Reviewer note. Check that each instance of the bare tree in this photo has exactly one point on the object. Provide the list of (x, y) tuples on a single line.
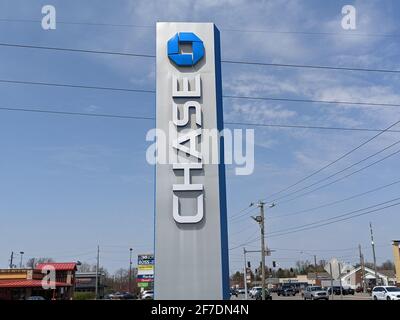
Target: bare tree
[(32, 262)]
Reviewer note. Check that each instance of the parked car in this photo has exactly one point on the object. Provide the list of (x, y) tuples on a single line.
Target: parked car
[(350, 291), (148, 295), (253, 291), (128, 296), (386, 293), (233, 292), (241, 291), (315, 293), (336, 290), (286, 291), (115, 296), (258, 295)]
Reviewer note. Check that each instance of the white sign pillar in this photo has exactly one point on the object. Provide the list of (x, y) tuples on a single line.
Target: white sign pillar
[(191, 241)]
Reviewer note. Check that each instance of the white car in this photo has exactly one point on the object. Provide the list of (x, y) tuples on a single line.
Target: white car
[(253, 291), (148, 295), (386, 293)]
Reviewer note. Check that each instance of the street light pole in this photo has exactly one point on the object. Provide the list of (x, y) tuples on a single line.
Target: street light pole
[(20, 262), (130, 270), (11, 259)]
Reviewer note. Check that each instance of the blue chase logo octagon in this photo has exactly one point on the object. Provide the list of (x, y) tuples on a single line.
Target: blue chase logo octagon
[(185, 59)]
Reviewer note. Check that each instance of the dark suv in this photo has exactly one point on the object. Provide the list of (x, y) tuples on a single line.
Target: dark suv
[(286, 291), (336, 290)]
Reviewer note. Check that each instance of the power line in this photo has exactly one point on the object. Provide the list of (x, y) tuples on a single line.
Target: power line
[(353, 34), (308, 66), (138, 55), (228, 29), (333, 218), (245, 214), (53, 84), (340, 220), (81, 23), (342, 178), (334, 161), (320, 206), (324, 179), (363, 103), (338, 172), (107, 115), (304, 126), (323, 206), (239, 213), (335, 202), (318, 226), (77, 113), (236, 62), (152, 91)]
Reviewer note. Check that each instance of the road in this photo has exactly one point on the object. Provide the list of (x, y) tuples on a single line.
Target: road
[(357, 296)]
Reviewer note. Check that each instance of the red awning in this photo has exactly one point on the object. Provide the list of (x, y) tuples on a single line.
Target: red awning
[(24, 283), (58, 266)]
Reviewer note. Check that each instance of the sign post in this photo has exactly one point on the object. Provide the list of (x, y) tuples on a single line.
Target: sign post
[(191, 242), (145, 274)]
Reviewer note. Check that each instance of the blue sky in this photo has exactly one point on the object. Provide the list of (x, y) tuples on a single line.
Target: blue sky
[(69, 183)]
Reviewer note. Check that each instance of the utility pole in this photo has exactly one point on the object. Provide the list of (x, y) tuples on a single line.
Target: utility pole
[(362, 269), (97, 273), (330, 269), (373, 253), (245, 274), (130, 270), (261, 221), (11, 259), (316, 271)]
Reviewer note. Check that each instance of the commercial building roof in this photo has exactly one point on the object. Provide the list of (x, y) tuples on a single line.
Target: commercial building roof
[(25, 283), (58, 266)]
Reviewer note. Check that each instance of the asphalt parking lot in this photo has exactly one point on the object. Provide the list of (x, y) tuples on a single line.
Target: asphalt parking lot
[(357, 296)]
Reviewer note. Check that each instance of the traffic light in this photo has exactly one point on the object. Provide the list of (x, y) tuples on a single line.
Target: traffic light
[(248, 264), (274, 264)]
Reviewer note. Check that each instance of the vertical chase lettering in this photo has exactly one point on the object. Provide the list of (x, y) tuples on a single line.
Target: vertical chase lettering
[(186, 143)]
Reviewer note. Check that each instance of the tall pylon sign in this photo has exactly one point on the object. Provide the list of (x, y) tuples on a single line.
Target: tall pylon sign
[(191, 241)]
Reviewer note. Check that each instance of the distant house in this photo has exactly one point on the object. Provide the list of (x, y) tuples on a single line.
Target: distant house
[(353, 278)]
